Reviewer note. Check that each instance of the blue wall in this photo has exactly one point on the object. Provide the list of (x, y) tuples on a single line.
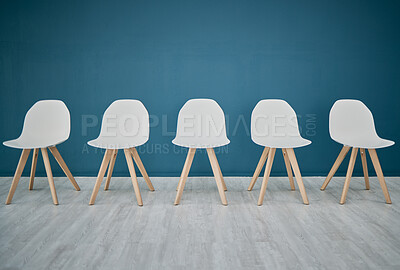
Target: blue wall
[(310, 53)]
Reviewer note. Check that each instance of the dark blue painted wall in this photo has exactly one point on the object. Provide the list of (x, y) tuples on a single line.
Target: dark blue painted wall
[(310, 53)]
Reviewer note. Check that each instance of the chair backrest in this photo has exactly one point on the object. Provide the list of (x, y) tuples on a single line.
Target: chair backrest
[(350, 118), (48, 120), (202, 122), (273, 118), (126, 118)]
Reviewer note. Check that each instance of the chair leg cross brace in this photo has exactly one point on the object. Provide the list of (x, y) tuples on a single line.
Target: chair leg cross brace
[(363, 153)]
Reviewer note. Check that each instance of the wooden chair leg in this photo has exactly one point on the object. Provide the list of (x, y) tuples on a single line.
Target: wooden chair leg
[(49, 175), (142, 170), (217, 174), (33, 167), (133, 176), (363, 155), (110, 168), (267, 172), (64, 166), (288, 169), (184, 174), (220, 173), (296, 169), (260, 164), (352, 161), (20, 167), (102, 171), (379, 173), (336, 165)]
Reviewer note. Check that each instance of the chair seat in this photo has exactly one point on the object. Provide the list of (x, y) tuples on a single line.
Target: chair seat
[(191, 142), (365, 142), (121, 143), (281, 142), (32, 143)]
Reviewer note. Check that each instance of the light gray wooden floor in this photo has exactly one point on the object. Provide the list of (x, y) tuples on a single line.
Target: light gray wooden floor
[(200, 233)]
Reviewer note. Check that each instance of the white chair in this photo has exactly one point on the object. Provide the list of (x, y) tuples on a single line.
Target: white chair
[(125, 125), (351, 123), (274, 125), (46, 124), (201, 124)]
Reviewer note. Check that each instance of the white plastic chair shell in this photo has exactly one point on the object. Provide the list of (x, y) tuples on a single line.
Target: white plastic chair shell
[(46, 123), (351, 123), (274, 124), (125, 125), (201, 124)]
